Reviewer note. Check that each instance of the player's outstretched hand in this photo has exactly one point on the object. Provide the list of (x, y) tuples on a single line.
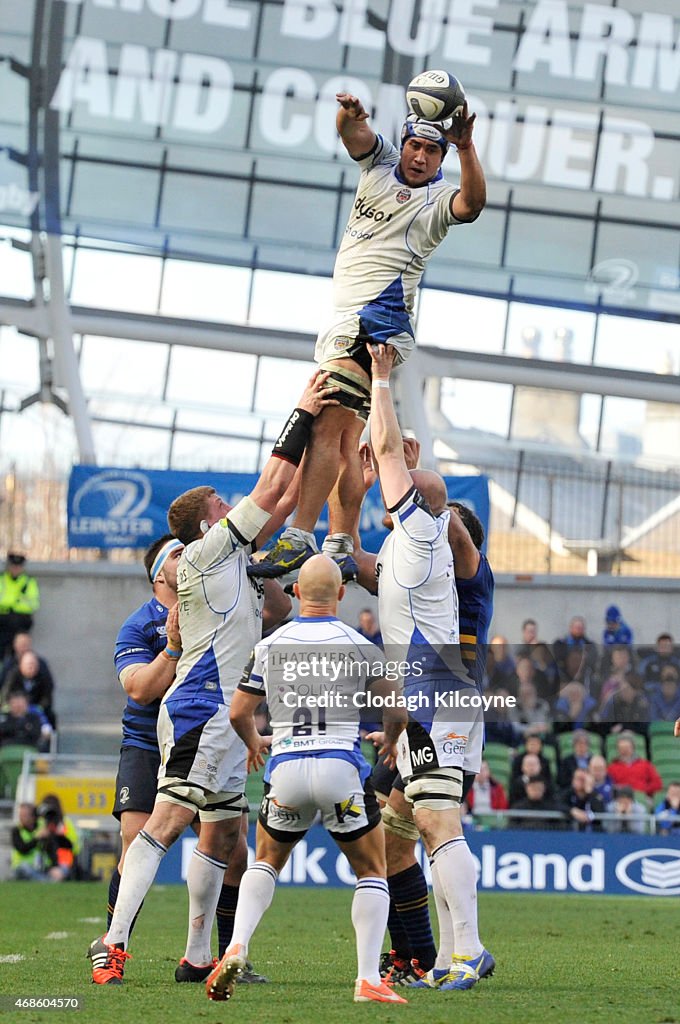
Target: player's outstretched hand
[(460, 131), (382, 361), (172, 632), (376, 738), (255, 755), (317, 395), (388, 752), (676, 728), (352, 106)]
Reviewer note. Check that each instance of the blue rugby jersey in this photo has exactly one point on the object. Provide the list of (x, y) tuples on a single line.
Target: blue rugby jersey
[(475, 610), (140, 639)]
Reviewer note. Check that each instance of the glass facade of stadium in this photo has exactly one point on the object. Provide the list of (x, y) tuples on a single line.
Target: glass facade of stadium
[(172, 195)]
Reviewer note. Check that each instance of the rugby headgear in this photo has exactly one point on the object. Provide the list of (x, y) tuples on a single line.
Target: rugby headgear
[(416, 127)]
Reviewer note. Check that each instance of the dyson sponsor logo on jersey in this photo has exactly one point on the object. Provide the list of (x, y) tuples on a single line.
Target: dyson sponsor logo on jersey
[(363, 209)]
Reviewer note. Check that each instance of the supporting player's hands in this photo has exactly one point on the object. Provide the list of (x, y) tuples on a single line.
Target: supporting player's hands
[(368, 469), (172, 632), (411, 452), (676, 728), (460, 130), (388, 752), (382, 360), (318, 394), (352, 105), (255, 754), (377, 738)]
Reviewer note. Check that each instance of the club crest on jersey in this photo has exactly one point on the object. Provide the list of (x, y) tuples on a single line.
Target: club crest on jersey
[(403, 195)]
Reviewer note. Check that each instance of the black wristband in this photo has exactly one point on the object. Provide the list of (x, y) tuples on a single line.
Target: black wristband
[(294, 437)]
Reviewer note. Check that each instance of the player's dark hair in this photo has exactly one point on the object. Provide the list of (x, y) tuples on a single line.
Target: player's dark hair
[(152, 551), (187, 511), (471, 523)]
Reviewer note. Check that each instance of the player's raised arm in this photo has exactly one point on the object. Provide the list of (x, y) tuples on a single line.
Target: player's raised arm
[(357, 138), (386, 441), (468, 203)]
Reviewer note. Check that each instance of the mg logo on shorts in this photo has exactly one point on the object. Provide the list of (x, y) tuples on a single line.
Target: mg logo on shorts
[(422, 756)]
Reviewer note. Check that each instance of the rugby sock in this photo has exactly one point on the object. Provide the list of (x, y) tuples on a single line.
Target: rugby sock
[(302, 536), (256, 892), (139, 870), (398, 937), (456, 879), (338, 544), (204, 881), (408, 889), (226, 908), (445, 949), (370, 907), (114, 885)]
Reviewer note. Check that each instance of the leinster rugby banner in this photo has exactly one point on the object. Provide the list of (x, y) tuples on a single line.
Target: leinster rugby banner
[(127, 508), (506, 861)]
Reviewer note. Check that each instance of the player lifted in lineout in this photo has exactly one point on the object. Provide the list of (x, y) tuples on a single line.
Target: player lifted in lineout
[(403, 209)]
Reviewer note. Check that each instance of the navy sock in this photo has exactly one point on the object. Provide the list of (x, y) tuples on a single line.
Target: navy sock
[(408, 889), (226, 909), (114, 886), (398, 937)]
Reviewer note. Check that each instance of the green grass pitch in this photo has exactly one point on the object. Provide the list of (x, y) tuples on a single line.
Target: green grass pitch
[(566, 959)]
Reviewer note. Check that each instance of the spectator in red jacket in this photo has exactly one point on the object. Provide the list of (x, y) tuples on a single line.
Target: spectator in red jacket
[(630, 770), (486, 794)]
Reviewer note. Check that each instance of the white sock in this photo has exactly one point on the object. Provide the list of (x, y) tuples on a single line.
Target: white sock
[(204, 882), (446, 946), (139, 870), (295, 533), (370, 907), (458, 880), (255, 894), (338, 544)]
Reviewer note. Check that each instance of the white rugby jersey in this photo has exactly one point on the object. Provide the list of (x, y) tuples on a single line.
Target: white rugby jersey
[(417, 599), (392, 231), (220, 609), (294, 664)]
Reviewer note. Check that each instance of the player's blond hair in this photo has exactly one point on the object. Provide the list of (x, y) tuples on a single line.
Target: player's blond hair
[(187, 511)]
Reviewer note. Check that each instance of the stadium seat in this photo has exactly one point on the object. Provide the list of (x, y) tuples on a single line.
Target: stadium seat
[(11, 763), (665, 745), (669, 769), (610, 745), (498, 757), (661, 729)]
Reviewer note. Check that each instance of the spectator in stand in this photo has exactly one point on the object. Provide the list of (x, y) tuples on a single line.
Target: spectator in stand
[(574, 708), (533, 744), (526, 671), (531, 713), (653, 666), (579, 758), (529, 639), (535, 799), (22, 642), (19, 724), (576, 642), (545, 665), (60, 841), (668, 811), (616, 631), (632, 814), (628, 708), (368, 626), (630, 770), (602, 784), (50, 808), (38, 686), (19, 600), (582, 802), (531, 765), (500, 664), (487, 794), (664, 697), (621, 665)]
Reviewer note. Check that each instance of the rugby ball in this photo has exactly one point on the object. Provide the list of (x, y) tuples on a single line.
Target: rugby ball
[(435, 96)]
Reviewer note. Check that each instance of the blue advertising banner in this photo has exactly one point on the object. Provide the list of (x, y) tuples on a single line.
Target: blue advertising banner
[(127, 508), (508, 861)]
